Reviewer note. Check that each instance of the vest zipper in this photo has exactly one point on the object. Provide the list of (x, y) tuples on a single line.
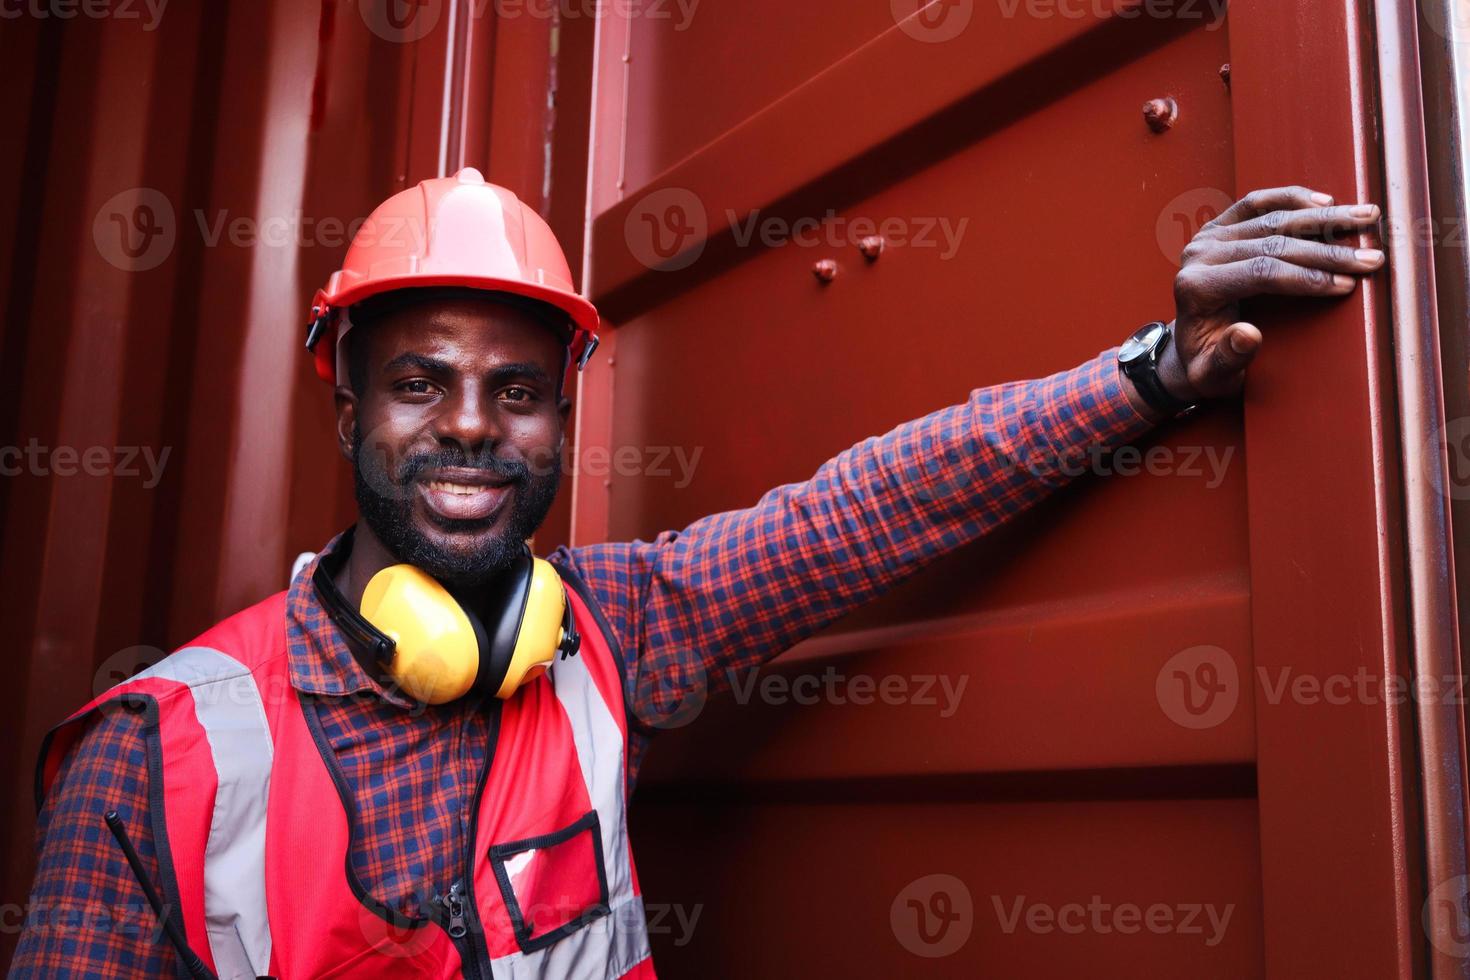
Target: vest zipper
[(454, 905)]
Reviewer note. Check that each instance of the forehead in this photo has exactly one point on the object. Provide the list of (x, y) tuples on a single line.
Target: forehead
[(465, 329)]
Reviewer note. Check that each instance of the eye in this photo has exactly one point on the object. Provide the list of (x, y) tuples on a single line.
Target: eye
[(516, 393), (415, 386)]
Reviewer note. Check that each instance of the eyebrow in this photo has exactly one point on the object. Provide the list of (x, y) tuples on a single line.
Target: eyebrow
[(503, 373)]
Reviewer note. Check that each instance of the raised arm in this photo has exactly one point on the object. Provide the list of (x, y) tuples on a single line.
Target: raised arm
[(734, 589)]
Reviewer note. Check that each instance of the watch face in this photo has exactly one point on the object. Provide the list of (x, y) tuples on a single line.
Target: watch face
[(1141, 343)]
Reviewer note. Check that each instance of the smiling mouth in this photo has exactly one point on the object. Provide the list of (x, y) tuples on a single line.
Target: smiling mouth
[(462, 489), (464, 496)]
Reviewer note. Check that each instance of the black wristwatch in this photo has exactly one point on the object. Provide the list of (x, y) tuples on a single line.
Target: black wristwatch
[(1139, 359)]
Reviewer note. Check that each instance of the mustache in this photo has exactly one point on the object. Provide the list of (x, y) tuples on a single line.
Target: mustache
[(507, 470)]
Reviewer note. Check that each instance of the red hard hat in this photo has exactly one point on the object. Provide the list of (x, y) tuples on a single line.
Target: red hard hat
[(451, 231)]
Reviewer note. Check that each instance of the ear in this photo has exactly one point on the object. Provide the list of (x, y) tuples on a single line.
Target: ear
[(564, 412), (346, 403)]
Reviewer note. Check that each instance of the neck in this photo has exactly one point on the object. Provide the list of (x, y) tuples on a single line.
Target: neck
[(369, 557)]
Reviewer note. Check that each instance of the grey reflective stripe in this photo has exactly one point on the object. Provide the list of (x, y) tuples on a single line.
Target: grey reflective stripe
[(600, 950), (228, 705), (619, 939)]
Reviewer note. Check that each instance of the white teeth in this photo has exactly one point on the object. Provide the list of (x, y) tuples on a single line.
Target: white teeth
[(462, 489)]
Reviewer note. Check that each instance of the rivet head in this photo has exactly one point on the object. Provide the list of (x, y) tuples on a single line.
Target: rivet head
[(825, 270), (1161, 114), (872, 246)]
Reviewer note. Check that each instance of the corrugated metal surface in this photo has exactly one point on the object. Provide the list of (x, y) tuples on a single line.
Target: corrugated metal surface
[(1071, 783), (175, 191)]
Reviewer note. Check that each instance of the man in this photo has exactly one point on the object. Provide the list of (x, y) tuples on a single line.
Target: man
[(312, 788)]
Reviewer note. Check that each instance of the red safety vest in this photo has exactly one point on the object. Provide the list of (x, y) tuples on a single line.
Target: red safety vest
[(251, 827)]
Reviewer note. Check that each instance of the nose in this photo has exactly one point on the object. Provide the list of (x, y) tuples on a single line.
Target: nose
[(468, 421)]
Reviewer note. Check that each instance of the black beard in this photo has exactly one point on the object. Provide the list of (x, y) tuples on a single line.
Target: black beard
[(385, 502)]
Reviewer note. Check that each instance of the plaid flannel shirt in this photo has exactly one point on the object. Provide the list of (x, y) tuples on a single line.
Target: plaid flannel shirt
[(689, 608)]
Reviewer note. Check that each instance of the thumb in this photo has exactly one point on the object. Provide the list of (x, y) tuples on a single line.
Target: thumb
[(1236, 349)]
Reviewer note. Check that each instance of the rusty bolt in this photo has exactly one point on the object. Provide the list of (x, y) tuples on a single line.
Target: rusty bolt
[(825, 270), (1160, 114), (1225, 74), (872, 246)]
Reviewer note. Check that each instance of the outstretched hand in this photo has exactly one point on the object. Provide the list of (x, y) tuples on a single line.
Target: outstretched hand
[(1276, 241)]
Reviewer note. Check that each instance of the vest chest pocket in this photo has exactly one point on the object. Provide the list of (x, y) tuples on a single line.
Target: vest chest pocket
[(553, 884)]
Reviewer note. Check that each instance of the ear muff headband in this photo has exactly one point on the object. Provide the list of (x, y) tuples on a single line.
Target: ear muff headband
[(436, 646)]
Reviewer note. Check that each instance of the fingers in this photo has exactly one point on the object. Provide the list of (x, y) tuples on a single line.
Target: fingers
[(1211, 287), (1323, 222), (1314, 255), (1260, 202)]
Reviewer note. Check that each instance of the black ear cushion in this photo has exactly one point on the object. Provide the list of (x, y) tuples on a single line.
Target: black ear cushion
[(357, 629), (496, 614)]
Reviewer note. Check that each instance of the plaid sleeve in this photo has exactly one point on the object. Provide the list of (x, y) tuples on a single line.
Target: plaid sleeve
[(694, 607), (87, 916)]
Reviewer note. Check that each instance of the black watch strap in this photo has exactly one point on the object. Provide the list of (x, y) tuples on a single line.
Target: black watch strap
[(1143, 371)]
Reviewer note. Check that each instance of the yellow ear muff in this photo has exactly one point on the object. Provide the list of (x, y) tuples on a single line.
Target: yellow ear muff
[(436, 654), (541, 634)]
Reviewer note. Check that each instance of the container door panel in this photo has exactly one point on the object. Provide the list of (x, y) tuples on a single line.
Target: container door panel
[(1101, 772)]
